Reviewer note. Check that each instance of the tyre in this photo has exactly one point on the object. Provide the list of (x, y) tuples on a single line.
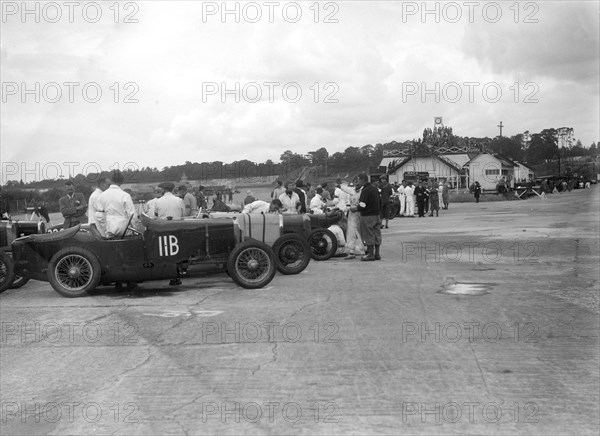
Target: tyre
[(18, 282), (392, 211), (7, 271), (251, 264), (292, 254), (323, 244), (73, 272)]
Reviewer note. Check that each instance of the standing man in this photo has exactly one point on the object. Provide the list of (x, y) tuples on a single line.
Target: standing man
[(115, 208), (409, 192), (103, 185), (189, 201), (72, 206), (385, 194), (201, 198), (477, 191), (421, 194), (169, 207), (370, 223), (279, 189), (354, 244), (150, 206), (301, 195), (289, 199), (446, 195), (402, 198)]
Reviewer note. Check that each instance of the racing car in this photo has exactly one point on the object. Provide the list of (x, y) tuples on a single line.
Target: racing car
[(312, 228), (77, 260)]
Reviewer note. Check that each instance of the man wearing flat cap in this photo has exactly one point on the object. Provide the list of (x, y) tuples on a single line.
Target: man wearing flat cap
[(169, 206)]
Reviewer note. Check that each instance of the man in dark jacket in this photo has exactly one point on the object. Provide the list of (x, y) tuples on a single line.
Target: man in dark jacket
[(385, 194), (370, 222), (73, 207), (421, 193), (302, 195)]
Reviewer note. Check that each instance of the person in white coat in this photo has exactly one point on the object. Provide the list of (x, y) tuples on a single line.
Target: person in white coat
[(409, 190), (402, 198), (114, 208), (103, 185), (354, 244)]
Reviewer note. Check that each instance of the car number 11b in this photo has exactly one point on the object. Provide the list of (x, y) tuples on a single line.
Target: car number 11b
[(168, 245)]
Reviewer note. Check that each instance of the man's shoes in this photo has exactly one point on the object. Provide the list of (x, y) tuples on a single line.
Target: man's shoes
[(377, 257), (381, 226), (131, 286), (350, 257), (367, 258), (175, 282), (386, 227)]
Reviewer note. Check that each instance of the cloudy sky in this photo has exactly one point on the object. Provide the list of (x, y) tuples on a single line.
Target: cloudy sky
[(156, 83)]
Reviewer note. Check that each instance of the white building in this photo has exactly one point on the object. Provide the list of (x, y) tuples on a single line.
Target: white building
[(489, 169)]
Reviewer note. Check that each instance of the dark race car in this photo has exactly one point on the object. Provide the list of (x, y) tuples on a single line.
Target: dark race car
[(79, 259), (9, 231)]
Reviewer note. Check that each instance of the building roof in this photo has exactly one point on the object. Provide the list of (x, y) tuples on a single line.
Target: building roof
[(504, 161)]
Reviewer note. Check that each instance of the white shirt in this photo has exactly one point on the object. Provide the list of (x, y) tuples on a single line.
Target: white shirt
[(93, 206), (316, 204), (115, 207), (409, 191), (343, 199), (168, 206), (257, 206), (289, 203)]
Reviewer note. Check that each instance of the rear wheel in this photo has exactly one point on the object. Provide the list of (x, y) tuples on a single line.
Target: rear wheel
[(323, 244), (7, 271), (292, 253), (73, 272), (392, 211), (18, 282), (251, 264)]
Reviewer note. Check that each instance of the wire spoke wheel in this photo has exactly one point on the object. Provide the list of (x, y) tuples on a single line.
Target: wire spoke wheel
[(251, 264), (74, 272), (292, 253), (323, 244)]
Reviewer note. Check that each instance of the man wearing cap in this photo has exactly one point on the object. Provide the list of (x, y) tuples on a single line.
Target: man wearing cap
[(370, 221), (189, 201), (115, 208), (72, 206), (169, 207)]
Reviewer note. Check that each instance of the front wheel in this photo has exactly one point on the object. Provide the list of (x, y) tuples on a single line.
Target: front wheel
[(323, 244), (292, 253), (392, 211), (73, 272), (251, 264), (7, 271)]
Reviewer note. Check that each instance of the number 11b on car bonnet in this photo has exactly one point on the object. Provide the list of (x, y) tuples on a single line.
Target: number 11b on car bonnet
[(168, 245)]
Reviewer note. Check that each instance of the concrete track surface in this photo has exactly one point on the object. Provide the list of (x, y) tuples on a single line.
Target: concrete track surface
[(481, 321)]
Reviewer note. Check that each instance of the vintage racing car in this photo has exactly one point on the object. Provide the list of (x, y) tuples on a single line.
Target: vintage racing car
[(322, 243), (79, 259), (9, 231)]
